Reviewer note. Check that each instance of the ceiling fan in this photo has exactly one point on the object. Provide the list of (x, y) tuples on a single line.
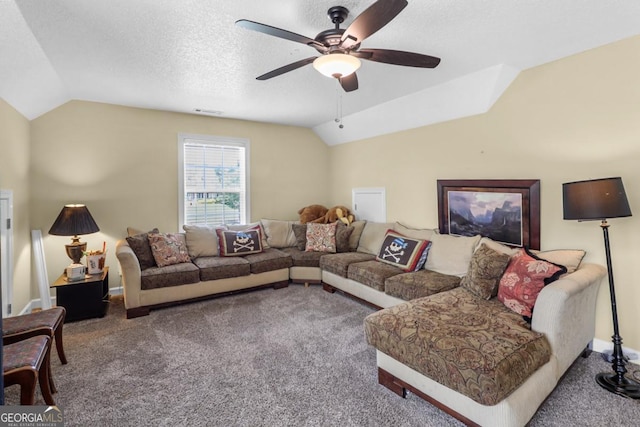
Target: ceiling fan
[(340, 48)]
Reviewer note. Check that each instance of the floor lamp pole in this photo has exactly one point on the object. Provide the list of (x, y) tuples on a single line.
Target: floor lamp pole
[(617, 382)]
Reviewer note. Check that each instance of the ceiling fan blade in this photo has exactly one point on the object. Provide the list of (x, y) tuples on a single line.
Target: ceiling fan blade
[(349, 83), (278, 32), (286, 68), (398, 57), (371, 20)]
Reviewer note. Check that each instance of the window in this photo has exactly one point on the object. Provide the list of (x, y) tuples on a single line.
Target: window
[(213, 178)]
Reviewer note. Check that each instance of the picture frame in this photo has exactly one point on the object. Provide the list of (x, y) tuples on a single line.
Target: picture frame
[(507, 211)]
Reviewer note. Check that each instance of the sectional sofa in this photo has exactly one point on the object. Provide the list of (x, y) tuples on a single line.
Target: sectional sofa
[(435, 335)]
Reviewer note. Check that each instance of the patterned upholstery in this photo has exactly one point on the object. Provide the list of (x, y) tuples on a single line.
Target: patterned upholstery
[(44, 319), (372, 273), (303, 258), (339, 263), (28, 353), (24, 362), (268, 260), (215, 267), (476, 347), (171, 275), (423, 283)]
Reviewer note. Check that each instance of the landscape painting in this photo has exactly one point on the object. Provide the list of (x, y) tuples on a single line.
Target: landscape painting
[(495, 215), (505, 210)]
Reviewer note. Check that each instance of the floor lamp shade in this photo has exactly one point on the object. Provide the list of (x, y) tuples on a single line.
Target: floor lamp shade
[(74, 220), (599, 199), (596, 199)]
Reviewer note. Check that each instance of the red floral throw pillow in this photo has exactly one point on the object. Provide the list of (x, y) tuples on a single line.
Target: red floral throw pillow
[(523, 280), (404, 252)]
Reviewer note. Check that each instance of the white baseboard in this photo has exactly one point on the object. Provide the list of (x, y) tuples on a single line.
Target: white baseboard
[(37, 303), (601, 346)]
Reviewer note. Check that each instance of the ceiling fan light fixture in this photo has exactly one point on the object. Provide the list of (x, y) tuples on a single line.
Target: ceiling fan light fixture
[(336, 64)]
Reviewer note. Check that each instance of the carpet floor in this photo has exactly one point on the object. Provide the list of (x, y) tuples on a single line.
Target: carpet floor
[(290, 357)]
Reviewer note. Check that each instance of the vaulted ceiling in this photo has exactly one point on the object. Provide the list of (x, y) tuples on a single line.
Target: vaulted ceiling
[(183, 55)]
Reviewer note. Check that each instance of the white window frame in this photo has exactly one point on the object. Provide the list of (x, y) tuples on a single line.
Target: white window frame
[(212, 140)]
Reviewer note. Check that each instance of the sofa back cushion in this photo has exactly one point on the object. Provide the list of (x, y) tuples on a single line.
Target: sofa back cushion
[(416, 233), (485, 270), (202, 240), (239, 243), (372, 236), (451, 254), (279, 233), (402, 251)]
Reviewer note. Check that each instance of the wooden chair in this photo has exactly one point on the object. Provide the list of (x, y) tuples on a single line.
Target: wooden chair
[(25, 363)]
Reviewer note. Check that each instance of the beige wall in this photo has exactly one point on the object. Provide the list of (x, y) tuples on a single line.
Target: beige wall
[(574, 119), (14, 176), (122, 163)]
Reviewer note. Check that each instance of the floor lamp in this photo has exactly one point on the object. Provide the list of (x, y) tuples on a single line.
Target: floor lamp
[(600, 199)]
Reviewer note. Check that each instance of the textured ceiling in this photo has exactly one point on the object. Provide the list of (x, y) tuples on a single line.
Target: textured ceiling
[(179, 55)]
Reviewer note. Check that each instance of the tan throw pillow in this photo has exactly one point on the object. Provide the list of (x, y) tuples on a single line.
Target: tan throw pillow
[(423, 233), (485, 270), (279, 233), (139, 244), (300, 230), (451, 254), (570, 258), (168, 249), (321, 237), (239, 243), (372, 236), (498, 247), (202, 240)]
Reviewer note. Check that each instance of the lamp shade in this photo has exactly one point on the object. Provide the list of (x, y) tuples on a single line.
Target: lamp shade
[(74, 220), (596, 199), (336, 64)]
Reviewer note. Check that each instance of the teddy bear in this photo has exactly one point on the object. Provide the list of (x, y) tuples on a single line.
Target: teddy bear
[(311, 213), (335, 214)]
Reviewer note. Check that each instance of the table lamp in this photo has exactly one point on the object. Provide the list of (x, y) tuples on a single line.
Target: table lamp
[(74, 220), (600, 199)]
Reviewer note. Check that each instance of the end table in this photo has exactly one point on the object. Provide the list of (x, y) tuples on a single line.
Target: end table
[(85, 298)]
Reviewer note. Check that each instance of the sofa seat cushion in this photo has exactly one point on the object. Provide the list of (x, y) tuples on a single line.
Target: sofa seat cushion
[(216, 267), (372, 273), (304, 258), (418, 284), (476, 347), (268, 260), (170, 275), (339, 263)]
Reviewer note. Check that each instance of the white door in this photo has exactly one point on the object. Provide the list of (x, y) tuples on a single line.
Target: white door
[(6, 249), (369, 204)]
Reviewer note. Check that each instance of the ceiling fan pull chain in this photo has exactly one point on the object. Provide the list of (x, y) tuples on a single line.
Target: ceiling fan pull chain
[(338, 118)]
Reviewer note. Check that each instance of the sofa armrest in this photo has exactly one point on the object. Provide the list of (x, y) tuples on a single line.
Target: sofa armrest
[(565, 312), (130, 268)]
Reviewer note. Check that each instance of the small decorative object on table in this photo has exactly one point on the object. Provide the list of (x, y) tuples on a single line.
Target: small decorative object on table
[(95, 260)]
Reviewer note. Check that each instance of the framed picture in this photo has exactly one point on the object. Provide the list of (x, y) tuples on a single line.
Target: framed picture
[(507, 211)]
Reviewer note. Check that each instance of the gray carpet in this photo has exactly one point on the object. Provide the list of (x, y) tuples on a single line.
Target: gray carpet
[(289, 357)]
